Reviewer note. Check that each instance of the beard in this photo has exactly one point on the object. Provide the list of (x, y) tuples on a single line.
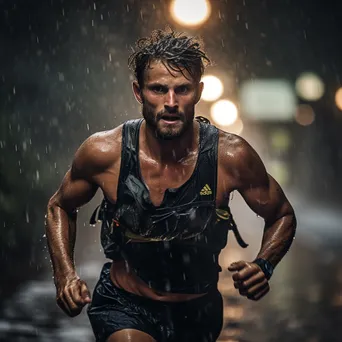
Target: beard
[(166, 132)]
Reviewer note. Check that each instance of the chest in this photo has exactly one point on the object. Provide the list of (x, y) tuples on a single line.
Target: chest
[(160, 177)]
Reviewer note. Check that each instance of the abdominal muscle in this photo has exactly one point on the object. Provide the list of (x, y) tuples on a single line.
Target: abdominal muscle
[(127, 280)]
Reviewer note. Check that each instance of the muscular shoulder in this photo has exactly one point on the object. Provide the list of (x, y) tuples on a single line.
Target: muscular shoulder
[(98, 152), (240, 160)]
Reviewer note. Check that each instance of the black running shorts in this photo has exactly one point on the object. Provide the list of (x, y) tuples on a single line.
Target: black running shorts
[(113, 309)]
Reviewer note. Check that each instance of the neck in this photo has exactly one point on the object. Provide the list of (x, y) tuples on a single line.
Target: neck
[(171, 151)]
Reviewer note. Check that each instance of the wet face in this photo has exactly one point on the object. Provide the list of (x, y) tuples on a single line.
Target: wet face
[(168, 99)]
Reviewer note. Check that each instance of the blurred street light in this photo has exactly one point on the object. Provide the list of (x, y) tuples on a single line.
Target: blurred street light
[(338, 98), (213, 88), (224, 112), (305, 115), (190, 12), (268, 100), (280, 140), (309, 86)]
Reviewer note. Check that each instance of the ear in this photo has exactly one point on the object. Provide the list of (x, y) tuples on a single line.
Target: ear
[(199, 91), (137, 92)]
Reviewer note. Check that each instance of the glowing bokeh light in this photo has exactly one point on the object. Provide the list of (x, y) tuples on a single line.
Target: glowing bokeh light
[(224, 113), (338, 98), (280, 139), (190, 13), (268, 100), (213, 88), (305, 115), (309, 86)]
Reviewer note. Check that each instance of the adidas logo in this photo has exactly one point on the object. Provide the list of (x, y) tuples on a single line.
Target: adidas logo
[(206, 190)]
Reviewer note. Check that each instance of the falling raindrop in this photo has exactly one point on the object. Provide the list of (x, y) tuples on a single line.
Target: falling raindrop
[(61, 77)]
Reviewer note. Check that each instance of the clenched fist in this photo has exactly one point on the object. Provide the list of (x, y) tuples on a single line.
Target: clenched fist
[(72, 295), (249, 279)]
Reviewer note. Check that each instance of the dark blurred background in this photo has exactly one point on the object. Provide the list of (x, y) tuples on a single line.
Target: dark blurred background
[(64, 76)]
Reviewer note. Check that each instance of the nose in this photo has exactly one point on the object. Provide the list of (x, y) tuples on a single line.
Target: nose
[(171, 102)]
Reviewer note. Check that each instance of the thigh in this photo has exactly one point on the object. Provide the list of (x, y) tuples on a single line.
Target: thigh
[(130, 335)]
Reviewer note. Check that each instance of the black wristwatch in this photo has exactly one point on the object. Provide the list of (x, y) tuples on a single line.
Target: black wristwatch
[(266, 267)]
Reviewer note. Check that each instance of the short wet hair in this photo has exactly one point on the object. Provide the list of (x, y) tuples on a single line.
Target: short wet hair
[(176, 51)]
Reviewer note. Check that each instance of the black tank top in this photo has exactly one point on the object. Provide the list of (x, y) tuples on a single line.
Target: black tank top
[(179, 242)]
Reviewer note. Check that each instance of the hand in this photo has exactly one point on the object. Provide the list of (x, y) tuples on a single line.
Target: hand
[(249, 279), (72, 295)]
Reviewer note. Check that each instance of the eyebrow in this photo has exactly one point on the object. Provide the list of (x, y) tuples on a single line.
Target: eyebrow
[(157, 84)]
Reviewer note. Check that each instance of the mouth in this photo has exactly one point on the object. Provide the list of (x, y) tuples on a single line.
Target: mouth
[(170, 118)]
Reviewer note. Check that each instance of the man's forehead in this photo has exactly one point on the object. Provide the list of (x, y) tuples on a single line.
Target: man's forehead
[(157, 70)]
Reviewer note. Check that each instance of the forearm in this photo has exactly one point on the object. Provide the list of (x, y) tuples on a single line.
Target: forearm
[(277, 238), (61, 235)]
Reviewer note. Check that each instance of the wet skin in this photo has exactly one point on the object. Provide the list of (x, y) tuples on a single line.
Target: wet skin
[(168, 150)]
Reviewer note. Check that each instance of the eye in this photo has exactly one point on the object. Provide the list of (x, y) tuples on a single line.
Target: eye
[(183, 89), (159, 89)]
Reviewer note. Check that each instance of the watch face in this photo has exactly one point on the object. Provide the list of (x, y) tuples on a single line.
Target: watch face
[(268, 268)]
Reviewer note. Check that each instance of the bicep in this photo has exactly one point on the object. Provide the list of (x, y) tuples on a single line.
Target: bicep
[(260, 190), (265, 197), (74, 192)]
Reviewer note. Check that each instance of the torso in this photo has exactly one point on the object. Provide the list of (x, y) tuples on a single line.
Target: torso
[(157, 179)]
